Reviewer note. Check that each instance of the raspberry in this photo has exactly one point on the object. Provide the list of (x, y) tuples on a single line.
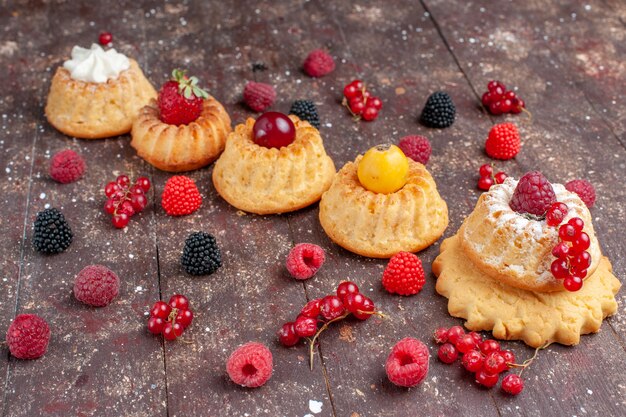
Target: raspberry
[(258, 96), (584, 189), (201, 255), (250, 365), (439, 110), (416, 147), (96, 285), (404, 274), (304, 260), (503, 142), (28, 336), (51, 232), (66, 166), (318, 63), (533, 194), (306, 110), (180, 196), (407, 364)]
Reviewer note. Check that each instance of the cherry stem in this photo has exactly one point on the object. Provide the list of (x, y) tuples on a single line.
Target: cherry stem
[(527, 362)]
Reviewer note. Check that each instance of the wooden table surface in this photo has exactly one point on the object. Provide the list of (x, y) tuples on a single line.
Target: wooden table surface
[(568, 63)]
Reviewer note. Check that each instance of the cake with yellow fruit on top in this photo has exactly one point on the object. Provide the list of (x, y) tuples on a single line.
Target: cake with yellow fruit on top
[(383, 203)]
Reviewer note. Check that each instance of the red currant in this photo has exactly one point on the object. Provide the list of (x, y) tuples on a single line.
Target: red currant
[(123, 180), (509, 357), (567, 232), (573, 283), (486, 99), (506, 106), (477, 337), (494, 363), (172, 331), (332, 307), (485, 183), (509, 95), (350, 91), (455, 333), (500, 177), (179, 301), (581, 261), (305, 326), (273, 130), (370, 113), (287, 335), (139, 202), (156, 325), (357, 105), (368, 306), (120, 220), (144, 183), (465, 343), (441, 335), (126, 207), (358, 84), (578, 223), (559, 268), (489, 346), (161, 310), (486, 379), (184, 317), (496, 107), (496, 86), (473, 360), (109, 206), (561, 250), (311, 309), (485, 170), (111, 188), (447, 353), (345, 288), (581, 242), (556, 213), (354, 302), (512, 384), (105, 38), (375, 102)]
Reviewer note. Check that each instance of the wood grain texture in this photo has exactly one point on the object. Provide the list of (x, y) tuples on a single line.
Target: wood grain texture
[(565, 60)]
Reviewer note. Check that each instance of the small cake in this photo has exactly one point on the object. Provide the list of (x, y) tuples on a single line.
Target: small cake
[(501, 271), (97, 94), (185, 129), (383, 203), (275, 164)]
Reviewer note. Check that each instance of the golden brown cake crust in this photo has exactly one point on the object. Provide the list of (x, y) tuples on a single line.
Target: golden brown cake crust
[(264, 180), (516, 314), (185, 147), (97, 110), (381, 225)]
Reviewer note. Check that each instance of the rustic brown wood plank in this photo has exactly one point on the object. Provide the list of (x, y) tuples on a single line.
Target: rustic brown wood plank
[(100, 361), (247, 298), (563, 139)]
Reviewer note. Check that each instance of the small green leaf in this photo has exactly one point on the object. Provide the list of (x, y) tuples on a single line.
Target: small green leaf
[(187, 92)]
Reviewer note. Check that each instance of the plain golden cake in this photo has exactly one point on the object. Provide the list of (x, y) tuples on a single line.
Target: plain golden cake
[(268, 180), (379, 224), (97, 94)]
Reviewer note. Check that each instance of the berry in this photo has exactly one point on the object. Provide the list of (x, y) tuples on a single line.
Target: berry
[(509, 357), (473, 360), (357, 105), (485, 170), (500, 177), (486, 379), (172, 331), (496, 87), (51, 232), (581, 261), (28, 336), (489, 345), (485, 183), (584, 189), (273, 130), (179, 301), (201, 255), (184, 318), (250, 365), (581, 242), (369, 113), (180, 196), (477, 337), (533, 194), (494, 363), (404, 274), (105, 38), (407, 364), (455, 333), (306, 110), (144, 183), (416, 147), (503, 142), (305, 326), (161, 310), (512, 384), (331, 307), (123, 180), (567, 232), (66, 166), (304, 260), (354, 302), (120, 220), (465, 343), (312, 308), (138, 202), (441, 335), (345, 288), (350, 91), (375, 103), (110, 206), (573, 283), (559, 268), (561, 250), (318, 63), (156, 325), (366, 307), (287, 335), (96, 285), (258, 96), (447, 353), (439, 110), (556, 213), (578, 224), (180, 99), (111, 188), (383, 169)]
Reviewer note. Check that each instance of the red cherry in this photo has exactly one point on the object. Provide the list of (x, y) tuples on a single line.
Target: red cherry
[(370, 114), (120, 220), (172, 331), (161, 310), (287, 335), (105, 38), (273, 130), (156, 325), (179, 301), (184, 317), (345, 288)]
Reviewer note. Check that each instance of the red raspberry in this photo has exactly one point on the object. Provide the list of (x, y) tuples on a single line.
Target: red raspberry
[(416, 147), (304, 260), (259, 96), (28, 336), (180, 196), (503, 141), (96, 285), (66, 166), (318, 63), (404, 274), (585, 191), (250, 365), (533, 194), (407, 364)]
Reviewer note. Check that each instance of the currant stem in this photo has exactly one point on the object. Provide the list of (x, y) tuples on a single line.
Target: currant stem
[(530, 115), (324, 327), (527, 362)]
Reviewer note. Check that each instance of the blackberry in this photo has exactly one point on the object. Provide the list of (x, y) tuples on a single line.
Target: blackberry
[(439, 110), (201, 255), (51, 232), (306, 110)]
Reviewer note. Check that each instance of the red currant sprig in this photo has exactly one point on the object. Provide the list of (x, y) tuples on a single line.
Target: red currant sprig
[(105, 38), (359, 101), (170, 319), (124, 200), (572, 259), (487, 177), (498, 100), (325, 311)]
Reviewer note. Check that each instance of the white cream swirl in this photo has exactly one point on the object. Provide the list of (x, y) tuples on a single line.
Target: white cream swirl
[(95, 65)]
